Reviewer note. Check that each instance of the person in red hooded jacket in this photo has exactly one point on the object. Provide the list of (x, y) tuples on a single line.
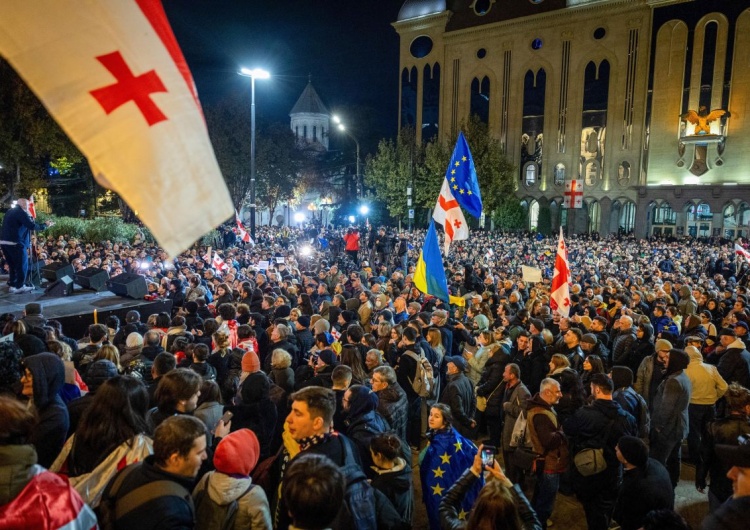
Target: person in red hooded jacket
[(31, 496)]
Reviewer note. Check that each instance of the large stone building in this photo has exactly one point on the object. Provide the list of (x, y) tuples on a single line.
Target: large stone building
[(625, 95)]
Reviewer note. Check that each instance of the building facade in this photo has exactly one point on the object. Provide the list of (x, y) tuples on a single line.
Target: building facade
[(645, 101)]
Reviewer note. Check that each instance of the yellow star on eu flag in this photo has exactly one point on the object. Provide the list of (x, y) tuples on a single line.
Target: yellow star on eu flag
[(457, 445), (437, 490), (469, 192), (458, 163), (446, 459), (461, 191), (455, 186), (438, 472), (463, 158), (462, 514)]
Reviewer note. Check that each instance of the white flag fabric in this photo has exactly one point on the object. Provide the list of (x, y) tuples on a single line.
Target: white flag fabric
[(531, 274), (113, 76), (559, 298), (448, 213)]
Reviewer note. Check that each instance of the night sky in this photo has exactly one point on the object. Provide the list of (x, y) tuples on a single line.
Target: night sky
[(349, 48)]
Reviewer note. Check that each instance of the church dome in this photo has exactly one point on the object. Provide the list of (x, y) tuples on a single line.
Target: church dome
[(420, 8)]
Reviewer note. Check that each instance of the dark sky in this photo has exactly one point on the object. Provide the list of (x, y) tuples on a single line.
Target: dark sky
[(349, 48)]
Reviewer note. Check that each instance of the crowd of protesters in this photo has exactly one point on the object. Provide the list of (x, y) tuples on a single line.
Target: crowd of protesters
[(297, 382)]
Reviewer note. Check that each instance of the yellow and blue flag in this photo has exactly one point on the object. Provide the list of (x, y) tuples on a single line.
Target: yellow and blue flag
[(429, 275), (462, 178)]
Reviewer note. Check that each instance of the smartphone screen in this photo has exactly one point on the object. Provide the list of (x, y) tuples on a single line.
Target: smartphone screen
[(226, 417), (488, 455)]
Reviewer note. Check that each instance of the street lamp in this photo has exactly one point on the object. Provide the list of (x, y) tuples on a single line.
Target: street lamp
[(364, 209), (343, 129), (253, 74)]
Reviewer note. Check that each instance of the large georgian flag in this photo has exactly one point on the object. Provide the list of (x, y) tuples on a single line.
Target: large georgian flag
[(113, 76), (559, 298)]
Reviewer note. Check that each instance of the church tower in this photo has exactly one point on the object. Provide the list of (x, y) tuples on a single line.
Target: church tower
[(310, 120)]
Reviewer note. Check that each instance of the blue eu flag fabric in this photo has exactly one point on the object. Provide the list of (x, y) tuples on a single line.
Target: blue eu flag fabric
[(462, 177), (445, 459)]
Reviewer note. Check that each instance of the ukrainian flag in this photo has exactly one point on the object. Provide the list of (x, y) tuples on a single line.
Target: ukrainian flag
[(429, 275)]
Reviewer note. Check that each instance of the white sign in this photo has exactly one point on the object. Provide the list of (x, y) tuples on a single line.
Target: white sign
[(531, 274), (263, 265)]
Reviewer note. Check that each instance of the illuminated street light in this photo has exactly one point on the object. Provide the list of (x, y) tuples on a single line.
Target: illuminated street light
[(364, 209), (351, 218), (299, 217), (255, 73), (343, 129)]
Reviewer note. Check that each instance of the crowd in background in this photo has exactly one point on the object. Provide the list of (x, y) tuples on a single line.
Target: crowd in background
[(333, 365)]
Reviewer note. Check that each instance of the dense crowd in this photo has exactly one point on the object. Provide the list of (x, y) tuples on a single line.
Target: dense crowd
[(297, 382)]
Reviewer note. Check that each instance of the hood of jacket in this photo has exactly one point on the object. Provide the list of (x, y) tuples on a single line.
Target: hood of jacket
[(537, 401), (694, 354), (48, 372), (224, 489), (685, 292), (399, 475), (648, 332)]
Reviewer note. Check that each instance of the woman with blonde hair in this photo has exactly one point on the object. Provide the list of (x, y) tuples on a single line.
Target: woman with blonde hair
[(110, 353), (281, 371), (220, 359)]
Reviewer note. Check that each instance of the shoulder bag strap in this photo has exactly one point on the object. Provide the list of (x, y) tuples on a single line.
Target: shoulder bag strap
[(147, 492)]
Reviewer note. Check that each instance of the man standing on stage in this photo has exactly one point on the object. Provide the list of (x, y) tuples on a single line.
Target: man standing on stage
[(15, 241)]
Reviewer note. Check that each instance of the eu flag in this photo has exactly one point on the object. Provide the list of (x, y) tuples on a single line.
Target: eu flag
[(445, 459), (462, 177)]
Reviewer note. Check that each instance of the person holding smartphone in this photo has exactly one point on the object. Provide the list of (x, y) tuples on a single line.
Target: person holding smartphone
[(499, 500)]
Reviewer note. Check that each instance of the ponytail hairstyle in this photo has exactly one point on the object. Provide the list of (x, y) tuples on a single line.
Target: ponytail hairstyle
[(386, 444)]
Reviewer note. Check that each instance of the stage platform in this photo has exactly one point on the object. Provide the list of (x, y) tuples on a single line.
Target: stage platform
[(76, 312)]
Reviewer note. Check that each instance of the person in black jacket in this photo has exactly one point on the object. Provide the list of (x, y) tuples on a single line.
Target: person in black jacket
[(175, 460), (489, 387), (256, 411), (406, 371), (393, 404), (43, 378), (459, 396), (646, 484), (363, 421), (392, 474), (599, 425)]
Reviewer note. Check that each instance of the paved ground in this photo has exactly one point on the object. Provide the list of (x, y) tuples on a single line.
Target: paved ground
[(568, 513)]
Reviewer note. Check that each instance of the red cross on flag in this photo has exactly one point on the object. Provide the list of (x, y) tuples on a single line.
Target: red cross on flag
[(241, 232), (573, 194), (113, 76), (32, 208), (559, 298), (218, 263), (740, 251), (448, 213)]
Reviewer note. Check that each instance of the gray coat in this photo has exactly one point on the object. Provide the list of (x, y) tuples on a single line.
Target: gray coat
[(669, 420), (512, 407)]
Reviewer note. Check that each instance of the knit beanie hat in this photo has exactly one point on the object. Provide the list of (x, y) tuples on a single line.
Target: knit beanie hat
[(321, 326), (99, 372), (134, 340), (663, 344), (622, 376), (255, 388), (304, 321), (237, 453), (678, 360), (329, 357), (634, 450), (250, 362), (348, 316)]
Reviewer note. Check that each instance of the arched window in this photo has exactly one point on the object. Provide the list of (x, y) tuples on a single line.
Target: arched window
[(315, 133), (560, 174), (627, 217), (595, 214), (480, 98), (530, 173), (533, 215)]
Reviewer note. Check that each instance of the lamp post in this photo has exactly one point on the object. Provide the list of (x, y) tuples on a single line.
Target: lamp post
[(342, 128), (253, 74)]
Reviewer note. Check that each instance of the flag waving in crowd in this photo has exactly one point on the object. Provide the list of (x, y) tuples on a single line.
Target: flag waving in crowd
[(32, 208), (559, 299), (429, 274), (113, 76), (460, 189), (241, 232)]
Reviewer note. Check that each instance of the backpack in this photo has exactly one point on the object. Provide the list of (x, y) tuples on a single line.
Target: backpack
[(107, 512), (424, 380), (210, 515)]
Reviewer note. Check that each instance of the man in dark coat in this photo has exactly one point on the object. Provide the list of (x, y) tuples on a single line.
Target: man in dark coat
[(171, 507), (406, 371), (15, 241), (734, 363), (459, 396), (393, 405), (733, 513), (645, 484), (599, 426), (669, 420)]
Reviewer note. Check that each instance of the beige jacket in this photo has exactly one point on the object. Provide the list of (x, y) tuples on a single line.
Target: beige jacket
[(708, 385)]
